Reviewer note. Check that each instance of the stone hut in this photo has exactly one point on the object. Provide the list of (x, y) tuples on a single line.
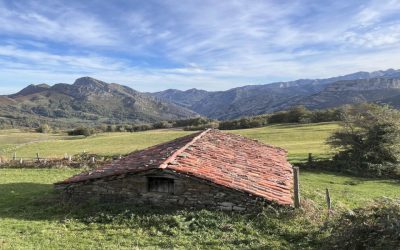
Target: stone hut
[(209, 169)]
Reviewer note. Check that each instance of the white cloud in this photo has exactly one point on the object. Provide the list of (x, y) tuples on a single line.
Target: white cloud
[(378, 36), (63, 24), (205, 44), (375, 10)]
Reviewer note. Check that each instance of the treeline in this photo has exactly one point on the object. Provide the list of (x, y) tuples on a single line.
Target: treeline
[(188, 124), (295, 115), (298, 114)]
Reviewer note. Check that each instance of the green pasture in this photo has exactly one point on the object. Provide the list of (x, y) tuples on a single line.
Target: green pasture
[(32, 217), (299, 140)]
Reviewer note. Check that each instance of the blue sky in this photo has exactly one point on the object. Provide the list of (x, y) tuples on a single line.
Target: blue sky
[(207, 44)]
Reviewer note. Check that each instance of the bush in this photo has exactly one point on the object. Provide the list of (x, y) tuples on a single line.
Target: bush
[(143, 127), (246, 122), (369, 140), (44, 128), (81, 131), (201, 126), (162, 124), (191, 122), (376, 226)]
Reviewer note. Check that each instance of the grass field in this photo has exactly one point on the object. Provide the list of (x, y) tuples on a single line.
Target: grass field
[(31, 217), (299, 140), (11, 139)]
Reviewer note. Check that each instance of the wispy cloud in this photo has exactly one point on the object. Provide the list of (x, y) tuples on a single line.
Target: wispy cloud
[(54, 22), (154, 45)]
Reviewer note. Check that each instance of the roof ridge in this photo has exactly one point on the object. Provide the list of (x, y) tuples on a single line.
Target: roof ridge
[(183, 148)]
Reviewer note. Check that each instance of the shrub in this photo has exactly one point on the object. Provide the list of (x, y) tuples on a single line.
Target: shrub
[(81, 131), (369, 139), (44, 128), (246, 122), (142, 127), (191, 122), (376, 226), (201, 126), (162, 124)]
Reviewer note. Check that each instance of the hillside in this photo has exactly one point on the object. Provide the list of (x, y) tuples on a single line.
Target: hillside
[(381, 90), (314, 93), (86, 101), (90, 101)]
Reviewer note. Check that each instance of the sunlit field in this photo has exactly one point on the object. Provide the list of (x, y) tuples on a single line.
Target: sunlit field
[(299, 140)]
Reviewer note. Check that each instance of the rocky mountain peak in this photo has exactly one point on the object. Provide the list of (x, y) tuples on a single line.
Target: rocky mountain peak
[(32, 89), (89, 81)]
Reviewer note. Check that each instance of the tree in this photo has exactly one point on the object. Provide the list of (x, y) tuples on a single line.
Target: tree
[(296, 114), (44, 128), (369, 139)]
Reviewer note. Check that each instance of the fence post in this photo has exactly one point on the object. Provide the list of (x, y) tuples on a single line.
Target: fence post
[(20, 161), (328, 201), (37, 157), (296, 187), (93, 160), (310, 159), (69, 159), (15, 156)]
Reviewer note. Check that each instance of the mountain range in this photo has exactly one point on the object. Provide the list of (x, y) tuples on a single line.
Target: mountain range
[(378, 86), (87, 100), (91, 101)]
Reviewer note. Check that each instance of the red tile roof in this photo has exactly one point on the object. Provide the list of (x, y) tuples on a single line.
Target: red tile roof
[(225, 159)]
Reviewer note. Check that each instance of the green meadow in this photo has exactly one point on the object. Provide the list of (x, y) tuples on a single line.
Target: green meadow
[(299, 140), (33, 217)]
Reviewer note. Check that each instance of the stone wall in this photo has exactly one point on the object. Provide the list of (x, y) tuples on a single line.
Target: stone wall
[(188, 192)]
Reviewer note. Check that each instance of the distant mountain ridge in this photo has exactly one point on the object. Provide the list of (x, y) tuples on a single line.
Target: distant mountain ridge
[(313, 93), (90, 101), (87, 100)]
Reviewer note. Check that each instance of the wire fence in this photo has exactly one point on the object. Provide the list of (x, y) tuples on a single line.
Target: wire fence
[(92, 160), (74, 161)]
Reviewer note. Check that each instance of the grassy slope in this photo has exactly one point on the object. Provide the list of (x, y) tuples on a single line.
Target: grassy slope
[(30, 217), (104, 144), (299, 140), (12, 138)]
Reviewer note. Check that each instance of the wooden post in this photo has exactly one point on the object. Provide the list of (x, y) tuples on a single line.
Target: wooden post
[(20, 161), (328, 202), (296, 187), (93, 160), (310, 159), (69, 159), (37, 157), (15, 156)]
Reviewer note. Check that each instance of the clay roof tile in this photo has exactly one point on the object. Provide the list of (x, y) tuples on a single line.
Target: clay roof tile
[(225, 159)]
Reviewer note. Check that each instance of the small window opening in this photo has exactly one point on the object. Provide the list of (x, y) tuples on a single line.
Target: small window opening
[(162, 185)]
